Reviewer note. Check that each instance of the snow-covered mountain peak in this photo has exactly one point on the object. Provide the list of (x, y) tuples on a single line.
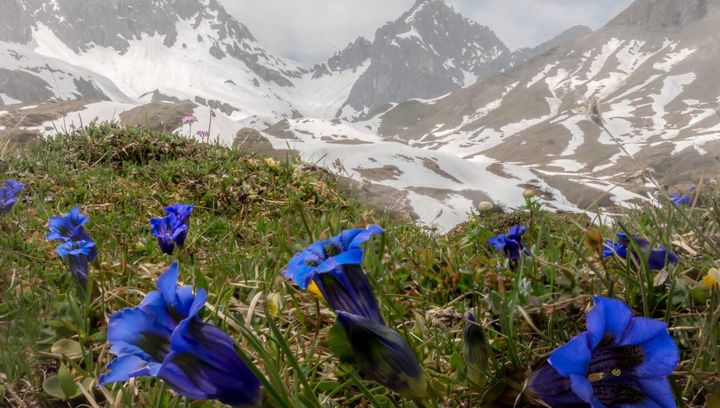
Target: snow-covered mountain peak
[(427, 52)]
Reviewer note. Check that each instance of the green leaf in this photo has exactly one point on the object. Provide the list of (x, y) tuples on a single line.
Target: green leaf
[(51, 386), (71, 349), (67, 383), (699, 294)]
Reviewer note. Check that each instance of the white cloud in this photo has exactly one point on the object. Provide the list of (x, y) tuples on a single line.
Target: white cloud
[(312, 30), (526, 23)]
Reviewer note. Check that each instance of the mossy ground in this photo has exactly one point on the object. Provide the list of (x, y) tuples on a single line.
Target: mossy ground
[(252, 214)]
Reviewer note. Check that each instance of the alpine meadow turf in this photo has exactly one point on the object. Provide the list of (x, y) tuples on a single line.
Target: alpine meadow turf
[(251, 214)]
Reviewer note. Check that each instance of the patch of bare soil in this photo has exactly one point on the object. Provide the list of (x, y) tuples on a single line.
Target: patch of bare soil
[(435, 168), (387, 172)]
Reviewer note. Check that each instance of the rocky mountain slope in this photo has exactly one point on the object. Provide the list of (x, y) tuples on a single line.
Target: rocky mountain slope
[(654, 70)]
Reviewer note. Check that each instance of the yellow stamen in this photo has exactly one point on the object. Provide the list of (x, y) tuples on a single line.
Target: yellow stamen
[(709, 282), (595, 377), (712, 278), (313, 288)]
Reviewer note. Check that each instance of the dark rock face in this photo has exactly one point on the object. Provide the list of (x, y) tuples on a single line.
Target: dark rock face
[(23, 86), (223, 107), (87, 90), (129, 20), (15, 22), (429, 51), (352, 57)]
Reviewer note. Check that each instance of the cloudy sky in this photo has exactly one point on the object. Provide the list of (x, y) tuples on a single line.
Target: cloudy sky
[(311, 30)]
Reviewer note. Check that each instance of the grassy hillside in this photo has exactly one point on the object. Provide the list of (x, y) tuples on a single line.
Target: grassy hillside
[(252, 214)]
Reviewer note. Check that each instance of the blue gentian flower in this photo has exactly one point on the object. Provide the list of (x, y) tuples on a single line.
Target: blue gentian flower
[(169, 231), (76, 245), (68, 227), (621, 361), (181, 211), (346, 288), (510, 244), (680, 199), (9, 193), (163, 337), (79, 254), (324, 256), (658, 257), (383, 355), (334, 267)]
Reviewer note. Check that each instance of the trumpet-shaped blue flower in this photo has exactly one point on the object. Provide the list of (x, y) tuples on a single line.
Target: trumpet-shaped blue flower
[(346, 288), (380, 352), (325, 256), (172, 229), (510, 243), (680, 199), (68, 227), (9, 193), (181, 211), (621, 361), (78, 254), (657, 258), (77, 246), (383, 355), (169, 231), (163, 337)]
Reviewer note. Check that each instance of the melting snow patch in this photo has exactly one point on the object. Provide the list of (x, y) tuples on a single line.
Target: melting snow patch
[(541, 74), (567, 165), (599, 62), (8, 100), (672, 88), (578, 137), (440, 214), (673, 59)]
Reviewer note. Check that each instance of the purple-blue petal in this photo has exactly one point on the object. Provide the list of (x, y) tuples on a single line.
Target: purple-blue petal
[(167, 283), (203, 364), (552, 388), (660, 257), (608, 316), (383, 355), (658, 392), (180, 211), (573, 357), (124, 368), (661, 357), (349, 257), (353, 238), (581, 387), (347, 289), (68, 227)]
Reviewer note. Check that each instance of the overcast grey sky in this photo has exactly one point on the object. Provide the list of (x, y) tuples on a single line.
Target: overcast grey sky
[(311, 30)]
